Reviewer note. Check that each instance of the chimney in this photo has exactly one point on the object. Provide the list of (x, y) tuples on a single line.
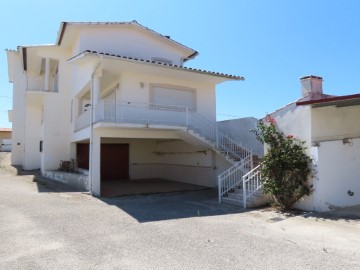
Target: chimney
[(311, 85)]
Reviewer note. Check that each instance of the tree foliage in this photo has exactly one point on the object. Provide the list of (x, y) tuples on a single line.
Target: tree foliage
[(286, 166)]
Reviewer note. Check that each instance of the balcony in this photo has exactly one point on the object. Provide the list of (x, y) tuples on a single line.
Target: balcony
[(134, 113), (83, 120), (123, 112), (140, 113)]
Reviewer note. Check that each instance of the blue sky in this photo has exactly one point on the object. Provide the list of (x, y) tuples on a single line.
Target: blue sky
[(271, 43)]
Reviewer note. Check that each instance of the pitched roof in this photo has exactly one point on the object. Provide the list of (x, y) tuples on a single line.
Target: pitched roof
[(340, 101), (155, 63), (63, 26)]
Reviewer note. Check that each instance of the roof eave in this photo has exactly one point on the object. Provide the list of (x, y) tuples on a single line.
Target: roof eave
[(339, 101), (64, 25), (148, 62)]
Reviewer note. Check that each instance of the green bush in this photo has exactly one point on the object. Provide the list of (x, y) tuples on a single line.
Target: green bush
[(285, 168)]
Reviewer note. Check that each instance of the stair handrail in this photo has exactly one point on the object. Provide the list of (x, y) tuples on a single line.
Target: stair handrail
[(251, 183), (232, 177), (220, 139)]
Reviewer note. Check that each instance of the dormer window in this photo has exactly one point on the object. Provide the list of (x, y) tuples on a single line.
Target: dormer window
[(162, 60)]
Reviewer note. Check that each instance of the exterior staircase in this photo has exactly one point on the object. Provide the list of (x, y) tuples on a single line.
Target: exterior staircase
[(241, 184)]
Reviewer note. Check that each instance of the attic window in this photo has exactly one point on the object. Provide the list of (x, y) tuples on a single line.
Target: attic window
[(162, 60)]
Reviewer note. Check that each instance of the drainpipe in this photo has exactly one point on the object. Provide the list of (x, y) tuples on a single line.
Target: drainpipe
[(92, 123)]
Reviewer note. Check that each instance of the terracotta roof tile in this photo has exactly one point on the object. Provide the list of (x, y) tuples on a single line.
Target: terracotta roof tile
[(133, 59)]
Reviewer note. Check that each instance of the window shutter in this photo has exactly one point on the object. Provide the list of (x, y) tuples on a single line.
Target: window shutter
[(172, 97)]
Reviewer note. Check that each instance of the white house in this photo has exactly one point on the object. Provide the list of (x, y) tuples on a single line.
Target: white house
[(330, 127), (117, 98)]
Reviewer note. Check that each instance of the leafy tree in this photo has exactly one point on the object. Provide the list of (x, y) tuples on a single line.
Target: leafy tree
[(285, 168)]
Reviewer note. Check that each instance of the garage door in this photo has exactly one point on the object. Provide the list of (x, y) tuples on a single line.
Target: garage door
[(114, 161)]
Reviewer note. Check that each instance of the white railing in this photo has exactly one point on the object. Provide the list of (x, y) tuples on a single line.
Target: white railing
[(251, 184), (148, 113), (232, 177), (140, 113), (222, 141), (83, 120)]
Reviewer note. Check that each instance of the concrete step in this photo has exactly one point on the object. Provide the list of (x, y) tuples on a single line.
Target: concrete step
[(232, 201), (255, 200)]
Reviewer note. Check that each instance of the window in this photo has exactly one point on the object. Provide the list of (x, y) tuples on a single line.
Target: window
[(56, 80), (41, 146), (179, 97)]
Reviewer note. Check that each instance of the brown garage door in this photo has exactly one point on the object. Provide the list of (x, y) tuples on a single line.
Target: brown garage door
[(82, 155), (114, 161)]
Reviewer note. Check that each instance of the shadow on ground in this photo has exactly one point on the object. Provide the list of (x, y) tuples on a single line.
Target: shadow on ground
[(155, 207), (346, 214)]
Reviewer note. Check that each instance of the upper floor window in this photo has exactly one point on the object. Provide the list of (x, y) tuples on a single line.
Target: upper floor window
[(171, 96)]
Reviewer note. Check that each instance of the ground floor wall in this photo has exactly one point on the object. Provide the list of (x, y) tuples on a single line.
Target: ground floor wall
[(337, 176)]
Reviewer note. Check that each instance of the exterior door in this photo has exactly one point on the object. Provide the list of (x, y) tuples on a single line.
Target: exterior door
[(114, 161), (82, 155)]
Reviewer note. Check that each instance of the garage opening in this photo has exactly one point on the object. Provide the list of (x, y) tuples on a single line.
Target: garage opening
[(150, 172)]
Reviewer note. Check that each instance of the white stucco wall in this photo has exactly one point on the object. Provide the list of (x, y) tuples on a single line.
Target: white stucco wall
[(32, 138), (336, 163), (296, 121), (130, 90), (338, 175), (334, 123), (18, 122), (240, 130), (57, 122), (125, 41)]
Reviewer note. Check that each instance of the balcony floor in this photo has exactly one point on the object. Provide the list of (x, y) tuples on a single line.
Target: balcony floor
[(113, 188)]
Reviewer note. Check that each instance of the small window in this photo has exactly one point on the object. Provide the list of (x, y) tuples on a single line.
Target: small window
[(41, 146)]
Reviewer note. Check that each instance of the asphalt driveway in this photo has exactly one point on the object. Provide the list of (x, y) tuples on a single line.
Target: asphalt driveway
[(43, 226)]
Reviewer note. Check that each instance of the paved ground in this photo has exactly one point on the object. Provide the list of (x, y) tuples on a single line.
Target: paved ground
[(113, 188), (43, 226)]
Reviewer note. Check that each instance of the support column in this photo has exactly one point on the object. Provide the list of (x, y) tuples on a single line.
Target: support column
[(47, 74), (94, 176), (96, 91)]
